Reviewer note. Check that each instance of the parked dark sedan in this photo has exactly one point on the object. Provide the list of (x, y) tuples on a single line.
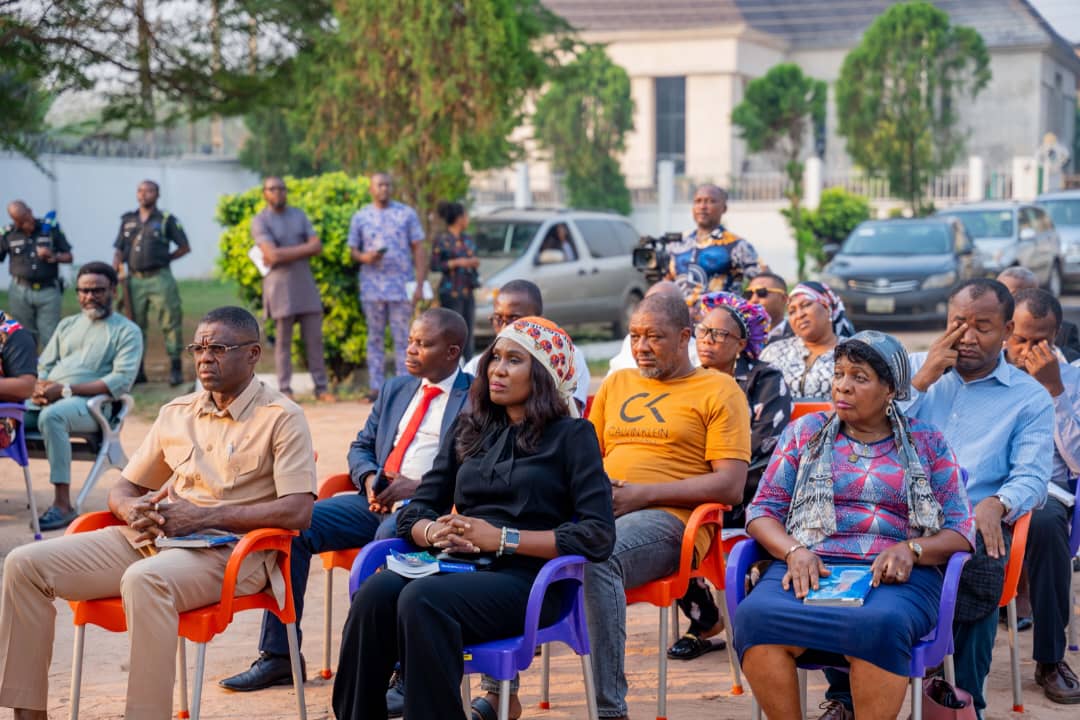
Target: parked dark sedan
[(901, 270)]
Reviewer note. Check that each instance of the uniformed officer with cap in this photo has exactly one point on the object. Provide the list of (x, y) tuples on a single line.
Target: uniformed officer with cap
[(144, 244), (37, 247)]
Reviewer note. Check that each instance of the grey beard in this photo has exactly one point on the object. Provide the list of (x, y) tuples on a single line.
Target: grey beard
[(651, 373), (96, 313)]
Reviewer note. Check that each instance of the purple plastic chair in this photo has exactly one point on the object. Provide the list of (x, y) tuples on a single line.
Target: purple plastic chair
[(503, 659), (1074, 547), (932, 650), (17, 452)]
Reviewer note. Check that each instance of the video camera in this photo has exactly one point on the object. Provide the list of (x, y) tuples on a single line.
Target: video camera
[(652, 257)]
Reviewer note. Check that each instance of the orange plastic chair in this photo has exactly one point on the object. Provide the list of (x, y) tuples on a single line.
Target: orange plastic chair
[(331, 559), (805, 407), (1008, 600), (663, 592), (199, 625)]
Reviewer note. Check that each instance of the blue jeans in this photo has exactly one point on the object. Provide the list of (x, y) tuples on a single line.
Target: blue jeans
[(338, 523), (647, 544)]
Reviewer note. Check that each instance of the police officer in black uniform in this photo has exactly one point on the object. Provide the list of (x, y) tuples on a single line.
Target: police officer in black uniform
[(37, 248), (144, 244)]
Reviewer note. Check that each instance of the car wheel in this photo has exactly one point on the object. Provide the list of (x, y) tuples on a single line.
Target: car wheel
[(1055, 283), (620, 327)]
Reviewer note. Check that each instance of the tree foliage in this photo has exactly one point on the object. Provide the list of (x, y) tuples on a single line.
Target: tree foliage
[(780, 110), (897, 94), (422, 88), (329, 201), (835, 217), (582, 120)]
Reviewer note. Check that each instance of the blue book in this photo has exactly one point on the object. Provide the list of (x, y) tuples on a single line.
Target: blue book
[(846, 586), (198, 540)]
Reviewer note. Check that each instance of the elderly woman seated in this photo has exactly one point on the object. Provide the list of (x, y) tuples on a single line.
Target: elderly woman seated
[(865, 485)]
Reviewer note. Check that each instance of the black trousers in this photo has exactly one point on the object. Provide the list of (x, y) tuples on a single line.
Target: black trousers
[(464, 305), (425, 623), (1049, 570)]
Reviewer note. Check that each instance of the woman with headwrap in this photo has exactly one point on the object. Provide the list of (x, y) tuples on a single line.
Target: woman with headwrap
[(527, 481), (730, 337), (864, 485), (806, 360)]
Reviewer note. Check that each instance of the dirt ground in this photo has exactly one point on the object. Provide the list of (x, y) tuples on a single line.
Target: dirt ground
[(696, 689)]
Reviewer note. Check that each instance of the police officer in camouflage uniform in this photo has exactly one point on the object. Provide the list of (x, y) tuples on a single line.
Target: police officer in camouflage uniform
[(37, 247), (143, 243)]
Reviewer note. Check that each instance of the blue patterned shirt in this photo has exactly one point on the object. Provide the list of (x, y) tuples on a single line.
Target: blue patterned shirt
[(396, 228), (1001, 427)]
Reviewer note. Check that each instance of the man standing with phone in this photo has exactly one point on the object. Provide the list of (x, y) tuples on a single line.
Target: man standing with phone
[(386, 238)]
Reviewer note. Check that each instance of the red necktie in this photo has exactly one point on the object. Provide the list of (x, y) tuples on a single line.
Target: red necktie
[(393, 462)]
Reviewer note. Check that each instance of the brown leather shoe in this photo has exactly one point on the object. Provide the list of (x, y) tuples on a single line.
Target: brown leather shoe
[(835, 710), (1059, 682)]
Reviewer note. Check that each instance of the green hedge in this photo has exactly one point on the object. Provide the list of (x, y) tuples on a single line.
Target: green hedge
[(329, 201)]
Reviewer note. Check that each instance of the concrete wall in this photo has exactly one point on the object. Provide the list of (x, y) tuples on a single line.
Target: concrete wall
[(90, 193)]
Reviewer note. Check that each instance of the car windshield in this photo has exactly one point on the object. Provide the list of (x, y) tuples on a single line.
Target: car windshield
[(1063, 212), (899, 238), (501, 242), (986, 223)]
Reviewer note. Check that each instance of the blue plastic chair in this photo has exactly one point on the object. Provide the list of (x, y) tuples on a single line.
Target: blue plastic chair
[(934, 649), (503, 659), (1074, 547), (17, 452)]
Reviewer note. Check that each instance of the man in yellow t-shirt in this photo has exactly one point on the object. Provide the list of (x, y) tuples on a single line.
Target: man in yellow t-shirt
[(673, 437)]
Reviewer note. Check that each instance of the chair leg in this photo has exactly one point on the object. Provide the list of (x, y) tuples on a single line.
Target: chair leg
[(755, 709), (504, 700), (661, 694), (590, 687), (91, 480), (545, 676), (1014, 659), (297, 677), (736, 671), (950, 670), (916, 698), (466, 695), (328, 620), (802, 693), (196, 690), (675, 624), (31, 502), (1074, 644), (181, 673), (76, 669)]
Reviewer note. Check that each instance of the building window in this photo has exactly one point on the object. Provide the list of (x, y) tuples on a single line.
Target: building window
[(671, 121)]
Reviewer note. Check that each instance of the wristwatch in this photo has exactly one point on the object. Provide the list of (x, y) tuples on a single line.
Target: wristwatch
[(1004, 503), (508, 542), (65, 392), (915, 548)]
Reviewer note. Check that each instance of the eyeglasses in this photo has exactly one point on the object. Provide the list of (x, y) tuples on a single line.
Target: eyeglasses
[(216, 349), (715, 335), (275, 188), (95, 291), (503, 320), (761, 293)]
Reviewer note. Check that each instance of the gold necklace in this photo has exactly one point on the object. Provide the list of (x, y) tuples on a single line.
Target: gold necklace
[(866, 453)]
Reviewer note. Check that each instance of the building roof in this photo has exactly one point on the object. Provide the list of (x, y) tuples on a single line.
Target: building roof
[(810, 23)]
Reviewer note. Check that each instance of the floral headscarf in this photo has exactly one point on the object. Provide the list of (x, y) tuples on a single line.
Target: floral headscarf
[(824, 295), (551, 347), (752, 319)]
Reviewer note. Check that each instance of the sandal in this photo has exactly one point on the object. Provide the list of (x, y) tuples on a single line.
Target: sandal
[(691, 646)]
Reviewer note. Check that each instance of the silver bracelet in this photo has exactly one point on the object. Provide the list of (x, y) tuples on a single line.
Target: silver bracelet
[(502, 543)]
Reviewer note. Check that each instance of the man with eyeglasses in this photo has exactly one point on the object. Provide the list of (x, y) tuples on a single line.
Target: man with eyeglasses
[(288, 241), (96, 352), (234, 457), (521, 298)]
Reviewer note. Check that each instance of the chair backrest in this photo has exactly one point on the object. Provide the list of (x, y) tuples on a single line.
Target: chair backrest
[(17, 450), (339, 483), (805, 407), (1016, 559)]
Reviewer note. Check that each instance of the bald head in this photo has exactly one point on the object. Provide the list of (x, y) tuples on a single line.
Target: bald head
[(710, 204), (21, 215), (664, 288), (1018, 278)]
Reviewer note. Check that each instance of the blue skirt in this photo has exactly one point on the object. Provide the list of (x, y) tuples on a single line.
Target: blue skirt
[(881, 632)]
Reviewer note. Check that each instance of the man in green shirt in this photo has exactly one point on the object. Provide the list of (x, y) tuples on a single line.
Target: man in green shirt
[(96, 352)]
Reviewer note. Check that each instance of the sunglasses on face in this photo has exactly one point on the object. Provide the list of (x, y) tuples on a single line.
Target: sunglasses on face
[(761, 293)]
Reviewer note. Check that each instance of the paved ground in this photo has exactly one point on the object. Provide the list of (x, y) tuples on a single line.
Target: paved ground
[(700, 688)]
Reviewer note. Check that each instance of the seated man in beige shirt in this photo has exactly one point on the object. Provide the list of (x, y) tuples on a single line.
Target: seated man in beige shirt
[(239, 456)]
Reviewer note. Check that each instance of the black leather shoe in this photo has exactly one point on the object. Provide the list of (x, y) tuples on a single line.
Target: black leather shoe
[(176, 373), (395, 697), (1059, 682), (267, 671)]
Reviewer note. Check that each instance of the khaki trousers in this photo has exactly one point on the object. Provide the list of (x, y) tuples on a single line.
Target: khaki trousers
[(103, 564)]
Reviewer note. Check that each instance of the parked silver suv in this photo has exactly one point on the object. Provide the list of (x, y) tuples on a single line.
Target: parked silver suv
[(580, 260), (1064, 209), (1011, 233)]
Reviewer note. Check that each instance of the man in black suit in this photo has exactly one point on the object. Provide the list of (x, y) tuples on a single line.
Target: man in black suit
[(1068, 336), (386, 461)]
